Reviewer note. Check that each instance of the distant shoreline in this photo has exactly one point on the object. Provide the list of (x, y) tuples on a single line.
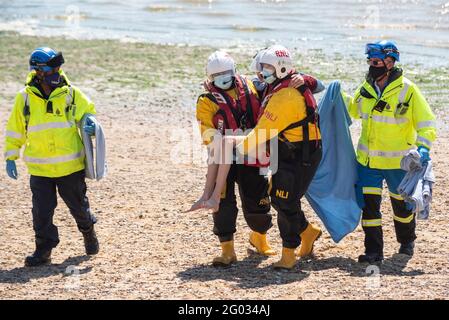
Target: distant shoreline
[(335, 27), (113, 65)]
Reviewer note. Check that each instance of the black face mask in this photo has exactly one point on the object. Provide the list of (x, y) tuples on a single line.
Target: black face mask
[(53, 80), (376, 72)]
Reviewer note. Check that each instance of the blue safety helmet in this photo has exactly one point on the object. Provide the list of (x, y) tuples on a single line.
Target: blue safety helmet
[(382, 49), (45, 59)]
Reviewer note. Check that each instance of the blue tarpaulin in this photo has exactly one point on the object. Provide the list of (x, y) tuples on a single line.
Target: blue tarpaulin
[(332, 192)]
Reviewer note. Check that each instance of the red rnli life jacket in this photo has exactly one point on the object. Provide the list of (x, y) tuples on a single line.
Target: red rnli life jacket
[(240, 113), (311, 112)]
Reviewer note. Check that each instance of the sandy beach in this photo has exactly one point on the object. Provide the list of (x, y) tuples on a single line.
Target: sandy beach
[(145, 96)]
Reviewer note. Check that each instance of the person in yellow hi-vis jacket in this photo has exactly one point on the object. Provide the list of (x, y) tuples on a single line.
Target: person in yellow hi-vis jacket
[(395, 118), (44, 119), (289, 116)]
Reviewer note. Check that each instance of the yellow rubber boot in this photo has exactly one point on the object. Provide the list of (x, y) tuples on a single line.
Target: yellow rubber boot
[(288, 259), (308, 238), (228, 255), (259, 241)]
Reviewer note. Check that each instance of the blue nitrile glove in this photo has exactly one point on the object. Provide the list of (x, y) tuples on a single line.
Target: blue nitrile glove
[(424, 153), (11, 169), (89, 128)]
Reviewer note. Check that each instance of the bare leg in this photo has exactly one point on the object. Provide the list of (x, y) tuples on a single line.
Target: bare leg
[(225, 164), (211, 177), (214, 200), (214, 154)]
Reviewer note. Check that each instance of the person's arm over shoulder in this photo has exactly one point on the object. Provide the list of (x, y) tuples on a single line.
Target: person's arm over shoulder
[(315, 85), (284, 108), (423, 118), (15, 130), (205, 112), (319, 86)]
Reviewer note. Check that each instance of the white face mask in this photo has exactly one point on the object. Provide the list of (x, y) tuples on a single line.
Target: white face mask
[(223, 81), (268, 76)]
